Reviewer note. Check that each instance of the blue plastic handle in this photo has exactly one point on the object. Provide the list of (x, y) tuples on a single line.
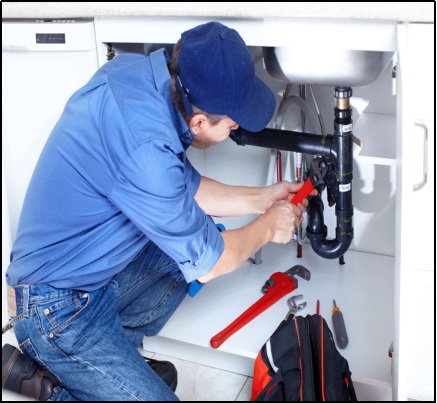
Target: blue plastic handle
[(194, 287)]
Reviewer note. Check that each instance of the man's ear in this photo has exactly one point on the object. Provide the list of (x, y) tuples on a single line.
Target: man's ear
[(197, 123)]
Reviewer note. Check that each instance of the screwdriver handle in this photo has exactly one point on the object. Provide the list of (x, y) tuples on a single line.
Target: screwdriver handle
[(339, 327)]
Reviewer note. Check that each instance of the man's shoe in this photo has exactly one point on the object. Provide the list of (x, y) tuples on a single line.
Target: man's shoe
[(166, 371), (24, 376)]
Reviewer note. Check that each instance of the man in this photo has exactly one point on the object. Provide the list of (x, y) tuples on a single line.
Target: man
[(116, 222)]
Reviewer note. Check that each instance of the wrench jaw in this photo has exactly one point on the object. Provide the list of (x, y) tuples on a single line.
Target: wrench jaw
[(300, 271), (295, 270), (316, 179), (295, 307), (317, 172)]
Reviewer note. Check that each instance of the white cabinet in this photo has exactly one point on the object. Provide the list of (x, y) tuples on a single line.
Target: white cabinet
[(38, 76), (364, 286), (387, 284), (414, 345)]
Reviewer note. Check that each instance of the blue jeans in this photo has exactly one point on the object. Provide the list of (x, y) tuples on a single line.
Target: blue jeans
[(90, 340)]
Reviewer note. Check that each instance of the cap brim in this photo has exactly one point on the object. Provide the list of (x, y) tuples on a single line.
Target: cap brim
[(258, 110)]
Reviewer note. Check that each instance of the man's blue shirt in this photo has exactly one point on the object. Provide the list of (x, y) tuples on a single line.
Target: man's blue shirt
[(112, 176)]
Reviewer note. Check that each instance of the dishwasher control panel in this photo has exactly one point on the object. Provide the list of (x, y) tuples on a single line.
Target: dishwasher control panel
[(50, 38)]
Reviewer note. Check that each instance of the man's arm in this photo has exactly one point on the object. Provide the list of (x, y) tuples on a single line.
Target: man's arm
[(241, 243), (220, 200), (277, 221)]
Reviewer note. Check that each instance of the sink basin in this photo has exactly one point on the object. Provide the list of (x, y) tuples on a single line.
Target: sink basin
[(337, 67)]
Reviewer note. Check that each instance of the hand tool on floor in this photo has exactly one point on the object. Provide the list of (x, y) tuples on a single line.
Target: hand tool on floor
[(294, 306), (278, 285), (339, 327), (316, 175)]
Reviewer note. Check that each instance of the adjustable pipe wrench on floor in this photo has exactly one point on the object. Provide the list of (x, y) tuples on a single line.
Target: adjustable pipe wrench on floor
[(278, 285), (316, 175)]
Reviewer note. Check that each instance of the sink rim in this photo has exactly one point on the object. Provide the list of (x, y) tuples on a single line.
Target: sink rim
[(338, 67)]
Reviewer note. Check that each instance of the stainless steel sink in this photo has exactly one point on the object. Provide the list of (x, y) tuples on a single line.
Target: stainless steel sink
[(338, 67)]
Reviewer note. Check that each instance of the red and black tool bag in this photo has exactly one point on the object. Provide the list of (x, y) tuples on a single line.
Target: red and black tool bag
[(300, 362)]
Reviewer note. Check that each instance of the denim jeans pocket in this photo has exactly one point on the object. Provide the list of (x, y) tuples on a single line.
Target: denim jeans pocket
[(56, 315)]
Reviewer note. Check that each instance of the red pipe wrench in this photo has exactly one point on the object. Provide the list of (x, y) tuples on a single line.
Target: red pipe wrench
[(317, 172), (278, 285)]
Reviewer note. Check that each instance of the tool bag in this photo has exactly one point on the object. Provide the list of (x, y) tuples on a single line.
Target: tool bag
[(300, 362)]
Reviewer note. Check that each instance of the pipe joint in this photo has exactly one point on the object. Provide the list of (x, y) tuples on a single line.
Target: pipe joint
[(316, 237), (345, 214), (337, 149)]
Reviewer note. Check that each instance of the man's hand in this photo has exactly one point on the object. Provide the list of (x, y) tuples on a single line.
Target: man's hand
[(283, 191), (281, 220)]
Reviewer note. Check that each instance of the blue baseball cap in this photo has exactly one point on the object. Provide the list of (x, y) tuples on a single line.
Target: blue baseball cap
[(217, 74)]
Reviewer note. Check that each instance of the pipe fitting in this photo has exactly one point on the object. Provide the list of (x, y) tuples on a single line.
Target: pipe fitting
[(337, 149)]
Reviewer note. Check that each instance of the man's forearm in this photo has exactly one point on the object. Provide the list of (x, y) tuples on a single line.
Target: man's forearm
[(240, 244), (220, 200)]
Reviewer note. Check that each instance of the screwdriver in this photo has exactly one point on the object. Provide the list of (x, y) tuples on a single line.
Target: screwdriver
[(339, 327)]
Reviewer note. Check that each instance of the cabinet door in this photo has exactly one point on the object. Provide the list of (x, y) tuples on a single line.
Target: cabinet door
[(414, 351)]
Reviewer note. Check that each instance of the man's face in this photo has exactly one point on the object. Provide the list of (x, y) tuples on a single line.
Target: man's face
[(207, 135)]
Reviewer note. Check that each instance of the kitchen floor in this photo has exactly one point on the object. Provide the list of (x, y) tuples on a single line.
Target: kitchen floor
[(202, 383), (195, 383)]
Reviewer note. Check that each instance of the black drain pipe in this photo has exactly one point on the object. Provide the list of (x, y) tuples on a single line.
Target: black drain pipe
[(336, 148), (286, 140), (343, 143)]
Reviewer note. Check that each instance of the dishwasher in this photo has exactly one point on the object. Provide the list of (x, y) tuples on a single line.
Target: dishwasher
[(43, 62)]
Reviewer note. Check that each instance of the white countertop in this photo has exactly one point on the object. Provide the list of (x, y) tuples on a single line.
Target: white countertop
[(408, 11)]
